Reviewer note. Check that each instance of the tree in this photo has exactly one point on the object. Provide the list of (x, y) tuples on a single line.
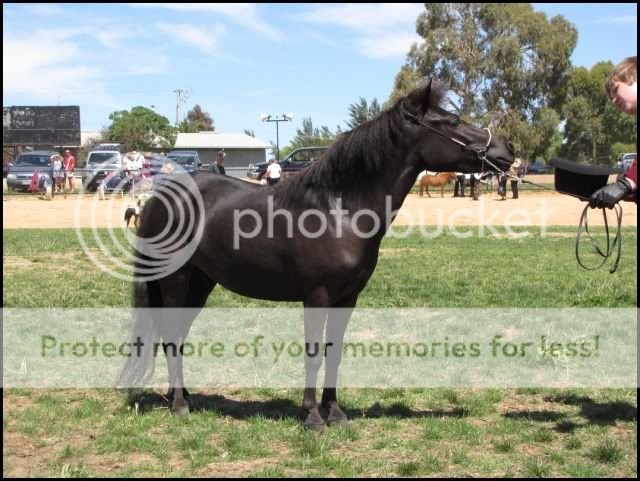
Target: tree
[(83, 152), (200, 119), (362, 112), (310, 136), (507, 65), (593, 124), (406, 80), (250, 133), (141, 129)]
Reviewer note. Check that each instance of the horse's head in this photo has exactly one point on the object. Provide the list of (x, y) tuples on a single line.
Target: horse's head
[(441, 141)]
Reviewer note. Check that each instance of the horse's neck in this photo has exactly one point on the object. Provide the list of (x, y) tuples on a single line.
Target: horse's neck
[(387, 192)]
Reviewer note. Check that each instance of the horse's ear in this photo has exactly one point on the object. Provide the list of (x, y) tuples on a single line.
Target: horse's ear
[(417, 102)]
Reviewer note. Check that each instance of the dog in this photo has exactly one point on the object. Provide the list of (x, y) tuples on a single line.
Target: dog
[(101, 189), (132, 211), (48, 191)]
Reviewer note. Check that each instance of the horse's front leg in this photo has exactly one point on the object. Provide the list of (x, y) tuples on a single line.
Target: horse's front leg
[(315, 315), (337, 321)]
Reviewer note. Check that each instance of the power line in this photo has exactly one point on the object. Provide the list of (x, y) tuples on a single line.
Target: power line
[(181, 99)]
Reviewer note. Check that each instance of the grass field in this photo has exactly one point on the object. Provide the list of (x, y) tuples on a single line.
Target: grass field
[(394, 432)]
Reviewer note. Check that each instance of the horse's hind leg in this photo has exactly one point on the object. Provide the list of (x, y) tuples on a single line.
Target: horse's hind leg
[(187, 289), (337, 321), (314, 321)]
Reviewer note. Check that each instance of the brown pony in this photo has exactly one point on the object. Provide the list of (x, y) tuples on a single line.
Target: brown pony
[(438, 180)]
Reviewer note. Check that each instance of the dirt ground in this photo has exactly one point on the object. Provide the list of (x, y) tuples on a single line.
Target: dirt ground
[(532, 208)]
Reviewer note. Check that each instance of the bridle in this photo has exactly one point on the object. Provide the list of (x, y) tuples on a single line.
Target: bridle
[(611, 245), (480, 153)]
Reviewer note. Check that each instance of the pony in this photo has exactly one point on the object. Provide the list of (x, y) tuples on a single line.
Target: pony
[(437, 180), (373, 167)]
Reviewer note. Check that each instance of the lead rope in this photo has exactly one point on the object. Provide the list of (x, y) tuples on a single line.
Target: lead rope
[(610, 245)]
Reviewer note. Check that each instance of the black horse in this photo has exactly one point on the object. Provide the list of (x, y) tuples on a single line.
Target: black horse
[(371, 167)]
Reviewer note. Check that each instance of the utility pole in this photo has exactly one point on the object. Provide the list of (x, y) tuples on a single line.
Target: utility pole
[(270, 118), (181, 98)]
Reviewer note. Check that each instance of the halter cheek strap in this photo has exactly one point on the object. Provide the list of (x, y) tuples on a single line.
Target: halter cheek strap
[(481, 153)]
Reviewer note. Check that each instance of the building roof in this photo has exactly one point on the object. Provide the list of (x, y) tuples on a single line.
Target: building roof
[(215, 140)]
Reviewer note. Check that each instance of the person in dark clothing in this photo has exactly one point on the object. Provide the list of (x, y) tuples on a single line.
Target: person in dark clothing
[(459, 185), (218, 167)]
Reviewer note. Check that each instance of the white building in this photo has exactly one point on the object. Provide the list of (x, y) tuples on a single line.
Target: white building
[(241, 149)]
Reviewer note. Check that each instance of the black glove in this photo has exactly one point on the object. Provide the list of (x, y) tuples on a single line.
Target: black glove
[(611, 194)]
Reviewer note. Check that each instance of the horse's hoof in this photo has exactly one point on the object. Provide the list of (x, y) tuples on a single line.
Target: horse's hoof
[(314, 422), (315, 428), (337, 418), (180, 411)]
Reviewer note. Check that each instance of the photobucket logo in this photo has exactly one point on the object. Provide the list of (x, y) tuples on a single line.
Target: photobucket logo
[(310, 223), (172, 233), (365, 223)]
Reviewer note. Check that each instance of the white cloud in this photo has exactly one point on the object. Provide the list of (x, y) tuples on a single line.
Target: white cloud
[(205, 40), (325, 39), (366, 17), (115, 37), (242, 13), (387, 46), (623, 19), (382, 30), (44, 9), (52, 65)]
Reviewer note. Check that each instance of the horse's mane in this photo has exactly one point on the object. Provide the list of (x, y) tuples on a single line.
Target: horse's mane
[(356, 156)]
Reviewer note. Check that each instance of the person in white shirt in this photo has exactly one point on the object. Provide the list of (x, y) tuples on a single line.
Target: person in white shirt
[(138, 160), (273, 172)]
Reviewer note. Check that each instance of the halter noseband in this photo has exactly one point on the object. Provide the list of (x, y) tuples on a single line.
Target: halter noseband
[(481, 153)]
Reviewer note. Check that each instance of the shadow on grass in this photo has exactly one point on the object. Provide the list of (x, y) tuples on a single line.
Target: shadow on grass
[(277, 408), (598, 413), (606, 413)]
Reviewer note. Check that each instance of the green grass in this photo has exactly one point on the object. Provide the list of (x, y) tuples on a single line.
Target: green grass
[(226, 442), (608, 451), (485, 271), (393, 432)]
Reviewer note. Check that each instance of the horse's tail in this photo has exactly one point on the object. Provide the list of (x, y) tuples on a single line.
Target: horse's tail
[(140, 364)]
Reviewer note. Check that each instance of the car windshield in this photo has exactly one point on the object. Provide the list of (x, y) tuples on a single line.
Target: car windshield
[(103, 157), (183, 159), (35, 160)]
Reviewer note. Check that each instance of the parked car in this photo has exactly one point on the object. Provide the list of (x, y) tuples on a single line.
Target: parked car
[(294, 162), (539, 168), (100, 163), (20, 173), (185, 160), (156, 163), (627, 160)]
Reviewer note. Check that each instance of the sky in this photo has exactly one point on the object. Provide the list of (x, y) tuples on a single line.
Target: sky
[(238, 61)]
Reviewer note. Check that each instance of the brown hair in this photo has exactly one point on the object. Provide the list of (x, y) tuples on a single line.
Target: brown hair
[(625, 72)]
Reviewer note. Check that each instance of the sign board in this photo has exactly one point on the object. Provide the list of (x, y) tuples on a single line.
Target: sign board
[(44, 126)]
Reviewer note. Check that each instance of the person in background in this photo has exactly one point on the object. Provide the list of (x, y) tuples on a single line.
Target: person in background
[(69, 168), (622, 89), (273, 172), (516, 175), (459, 185), (220, 158), (58, 172)]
